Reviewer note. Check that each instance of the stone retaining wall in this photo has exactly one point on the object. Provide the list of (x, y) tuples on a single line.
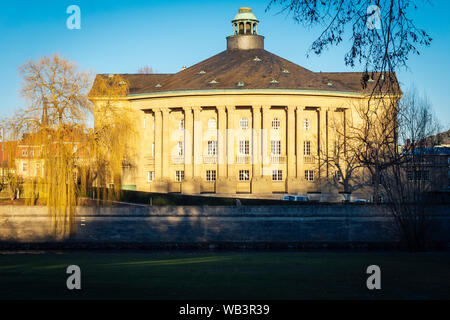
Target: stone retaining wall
[(327, 224)]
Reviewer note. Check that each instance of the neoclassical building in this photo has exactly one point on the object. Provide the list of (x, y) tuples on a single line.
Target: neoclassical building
[(242, 121)]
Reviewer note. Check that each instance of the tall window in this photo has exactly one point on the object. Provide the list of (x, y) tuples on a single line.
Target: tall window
[(244, 175), (212, 124), (181, 124), (309, 175), (275, 147), (180, 148), (276, 124), (243, 123), (307, 148), (179, 176), (150, 176), (244, 147), (212, 148), (306, 124), (277, 175), (210, 175)]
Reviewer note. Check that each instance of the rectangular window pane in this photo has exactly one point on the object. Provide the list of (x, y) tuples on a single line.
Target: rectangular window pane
[(179, 176), (210, 175), (277, 175), (244, 175), (244, 147), (309, 175), (275, 147), (212, 148), (180, 148), (307, 148)]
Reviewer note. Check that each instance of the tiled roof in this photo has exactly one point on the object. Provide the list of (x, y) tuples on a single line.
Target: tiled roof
[(248, 69)]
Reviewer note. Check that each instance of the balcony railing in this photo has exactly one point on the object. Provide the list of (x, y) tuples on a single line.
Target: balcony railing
[(243, 159), (210, 159), (277, 158), (177, 159), (309, 159)]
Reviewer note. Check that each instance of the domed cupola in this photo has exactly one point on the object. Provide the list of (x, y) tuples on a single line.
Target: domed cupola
[(245, 32)]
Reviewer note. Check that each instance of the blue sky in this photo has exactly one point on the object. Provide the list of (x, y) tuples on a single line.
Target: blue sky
[(119, 36)]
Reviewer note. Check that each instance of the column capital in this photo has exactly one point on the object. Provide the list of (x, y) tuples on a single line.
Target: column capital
[(257, 108), (221, 108), (291, 109), (157, 109), (300, 108), (196, 109), (165, 110), (187, 109), (230, 108)]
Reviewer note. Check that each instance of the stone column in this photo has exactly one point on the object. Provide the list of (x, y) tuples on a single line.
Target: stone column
[(265, 147), (166, 154), (226, 181), (160, 184), (188, 135), (322, 147), (299, 146), (229, 186), (258, 184), (198, 149), (222, 142), (290, 147), (189, 185), (158, 144)]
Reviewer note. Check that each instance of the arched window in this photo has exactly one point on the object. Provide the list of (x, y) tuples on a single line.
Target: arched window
[(306, 124), (243, 123), (212, 123), (276, 124)]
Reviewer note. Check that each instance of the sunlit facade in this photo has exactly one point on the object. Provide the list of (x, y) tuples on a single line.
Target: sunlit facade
[(242, 121)]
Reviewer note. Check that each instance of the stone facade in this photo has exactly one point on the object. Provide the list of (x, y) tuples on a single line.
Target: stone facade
[(243, 121)]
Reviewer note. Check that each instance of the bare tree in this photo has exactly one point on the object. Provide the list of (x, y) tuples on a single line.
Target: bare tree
[(408, 178), (56, 93), (146, 70), (343, 167), (383, 33)]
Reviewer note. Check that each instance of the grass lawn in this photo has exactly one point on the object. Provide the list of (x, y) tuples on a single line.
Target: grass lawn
[(225, 275)]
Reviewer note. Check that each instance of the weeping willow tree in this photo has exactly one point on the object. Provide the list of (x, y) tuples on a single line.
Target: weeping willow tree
[(52, 125), (114, 134)]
